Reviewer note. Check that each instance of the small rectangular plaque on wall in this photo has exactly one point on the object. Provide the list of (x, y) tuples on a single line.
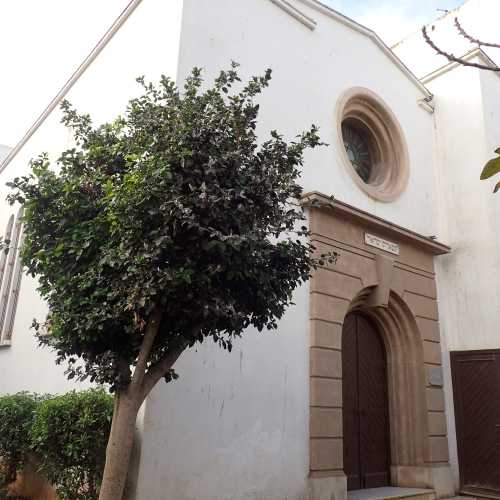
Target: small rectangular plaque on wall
[(387, 246), (435, 376)]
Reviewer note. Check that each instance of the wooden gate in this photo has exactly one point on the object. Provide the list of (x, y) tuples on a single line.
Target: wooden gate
[(365, 406), (476, 390)]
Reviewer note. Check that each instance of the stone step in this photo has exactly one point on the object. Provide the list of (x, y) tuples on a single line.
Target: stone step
[(392, 493)]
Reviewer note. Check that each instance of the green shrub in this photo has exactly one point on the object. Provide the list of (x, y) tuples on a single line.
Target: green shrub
[(17, 412), (69, 436)]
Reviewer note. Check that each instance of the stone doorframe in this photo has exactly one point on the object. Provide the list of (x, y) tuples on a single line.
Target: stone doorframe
[(387, 272)]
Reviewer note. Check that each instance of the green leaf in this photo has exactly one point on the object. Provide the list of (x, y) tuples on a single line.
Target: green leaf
[(491, 168)]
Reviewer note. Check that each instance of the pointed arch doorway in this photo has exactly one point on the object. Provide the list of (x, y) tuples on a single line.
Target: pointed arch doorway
[(365, 404)]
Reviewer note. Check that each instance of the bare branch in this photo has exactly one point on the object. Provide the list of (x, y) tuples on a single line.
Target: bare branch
[(146, 346), (455, 59), (472, 39)]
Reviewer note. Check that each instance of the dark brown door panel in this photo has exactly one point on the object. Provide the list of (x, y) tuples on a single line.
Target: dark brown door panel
[(365, 407), (476, 392)]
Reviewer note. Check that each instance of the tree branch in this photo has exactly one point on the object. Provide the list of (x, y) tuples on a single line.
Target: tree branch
[(159, 369), (472, 39), (147, 344), (123, 367), (455, 59)]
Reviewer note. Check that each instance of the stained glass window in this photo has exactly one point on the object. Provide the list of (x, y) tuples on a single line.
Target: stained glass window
[(356, 143)]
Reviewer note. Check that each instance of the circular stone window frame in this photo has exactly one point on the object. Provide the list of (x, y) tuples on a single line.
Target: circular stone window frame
[(391, 162)]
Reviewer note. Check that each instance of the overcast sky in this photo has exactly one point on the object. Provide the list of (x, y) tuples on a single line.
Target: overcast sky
[(43, 41)]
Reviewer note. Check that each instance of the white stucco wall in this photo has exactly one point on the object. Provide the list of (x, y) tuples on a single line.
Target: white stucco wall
[(467, 128), (466, 137), (147, 44), (4, 151), (234, 426)]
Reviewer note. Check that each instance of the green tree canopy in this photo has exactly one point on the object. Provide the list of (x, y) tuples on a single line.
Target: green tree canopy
[(173, 207)]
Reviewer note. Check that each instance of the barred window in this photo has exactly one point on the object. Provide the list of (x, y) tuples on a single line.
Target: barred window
[(10, 278)]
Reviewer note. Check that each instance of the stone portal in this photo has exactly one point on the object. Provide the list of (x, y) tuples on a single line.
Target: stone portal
[(384, 273)]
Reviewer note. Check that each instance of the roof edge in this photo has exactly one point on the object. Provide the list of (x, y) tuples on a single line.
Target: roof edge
[(101, 44), (439, 18), (476, 52), (295, 13), (347, 21), (129, 9)]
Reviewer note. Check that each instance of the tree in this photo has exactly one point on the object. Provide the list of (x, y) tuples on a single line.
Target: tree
[(166, 227), (492, 167)]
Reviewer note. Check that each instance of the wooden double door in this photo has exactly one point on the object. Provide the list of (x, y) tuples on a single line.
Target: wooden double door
[(365, 405), (476, 388)]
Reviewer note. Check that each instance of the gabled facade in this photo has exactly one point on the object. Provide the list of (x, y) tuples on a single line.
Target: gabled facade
[(354, 391)]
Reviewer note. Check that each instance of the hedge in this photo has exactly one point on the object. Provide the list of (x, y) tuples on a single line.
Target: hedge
[(65, 434), (17, 413)]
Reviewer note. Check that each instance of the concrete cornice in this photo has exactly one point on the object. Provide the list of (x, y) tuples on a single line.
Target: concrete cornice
[(474, 53), (72, 80), (295, 13), (316, 200)]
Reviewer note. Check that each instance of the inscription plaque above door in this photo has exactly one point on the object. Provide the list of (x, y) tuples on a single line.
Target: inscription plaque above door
[(387, 246)]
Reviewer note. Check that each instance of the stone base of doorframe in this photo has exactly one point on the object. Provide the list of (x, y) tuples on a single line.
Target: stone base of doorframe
[(438, 477), (333, 487)]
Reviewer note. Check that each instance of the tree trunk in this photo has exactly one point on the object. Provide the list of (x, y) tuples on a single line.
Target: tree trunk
[(119, 448), (126, 407)]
